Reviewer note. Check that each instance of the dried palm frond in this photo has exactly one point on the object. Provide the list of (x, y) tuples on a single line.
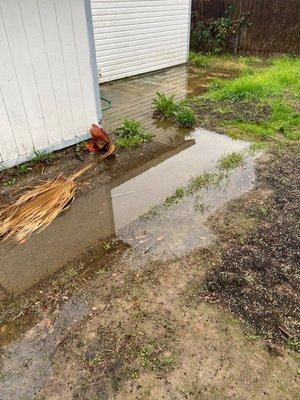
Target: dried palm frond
[(37, 208)]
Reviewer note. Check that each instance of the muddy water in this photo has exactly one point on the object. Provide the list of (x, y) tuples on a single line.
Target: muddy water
[(108, 209), (114, 210)]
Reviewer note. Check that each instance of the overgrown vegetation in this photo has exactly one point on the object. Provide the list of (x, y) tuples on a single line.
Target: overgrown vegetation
[(166, 107), (198, 182), (214, 36), (131, 134)]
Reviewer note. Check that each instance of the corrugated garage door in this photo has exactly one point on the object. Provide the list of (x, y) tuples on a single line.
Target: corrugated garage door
[(138, 36)]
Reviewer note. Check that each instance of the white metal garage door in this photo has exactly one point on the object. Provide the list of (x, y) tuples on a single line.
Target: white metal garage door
[(138, 36)]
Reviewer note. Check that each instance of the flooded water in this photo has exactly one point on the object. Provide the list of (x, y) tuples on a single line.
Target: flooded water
[(130, 209), (114, 210), (117, 209), (133, 97)]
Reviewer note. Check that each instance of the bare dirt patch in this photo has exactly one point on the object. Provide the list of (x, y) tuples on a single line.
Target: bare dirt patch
[(258, 275)]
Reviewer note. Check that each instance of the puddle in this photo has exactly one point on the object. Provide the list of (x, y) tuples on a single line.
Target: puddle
[(114, 210), (132, 98)]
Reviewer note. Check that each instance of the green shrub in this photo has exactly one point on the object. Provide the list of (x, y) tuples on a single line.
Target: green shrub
[(214, 36)]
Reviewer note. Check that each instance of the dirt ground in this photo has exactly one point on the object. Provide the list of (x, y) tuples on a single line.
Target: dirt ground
[(258, 277), (199, 327)]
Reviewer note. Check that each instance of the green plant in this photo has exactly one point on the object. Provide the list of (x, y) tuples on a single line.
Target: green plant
[(10, 183), (131, 134), (79, 147), (230, 161), (24, 168), (43, 157), (175, 198), (165, 105), (185, 117), (293, 344), (204, 180)]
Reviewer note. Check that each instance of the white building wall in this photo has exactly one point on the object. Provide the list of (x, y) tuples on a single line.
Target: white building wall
[(48, 80), (137, 36)]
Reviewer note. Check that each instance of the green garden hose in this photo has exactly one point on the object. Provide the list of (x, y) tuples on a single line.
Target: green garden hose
[(109, 104)]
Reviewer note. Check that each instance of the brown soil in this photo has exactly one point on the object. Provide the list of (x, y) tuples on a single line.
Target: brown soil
[(214, 114), (258, 275)]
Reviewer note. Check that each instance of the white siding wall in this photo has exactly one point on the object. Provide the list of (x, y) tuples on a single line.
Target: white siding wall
[(138, 36), (48, 92)]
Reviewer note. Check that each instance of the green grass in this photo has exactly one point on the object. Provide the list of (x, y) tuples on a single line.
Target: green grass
[(282, 75), (131, 134), (175, 198), (42, 157), (230, 161), (257, 146), (196, 183), (199, 60), (226, 62), (24, 168), (277, 85), (203, 181)]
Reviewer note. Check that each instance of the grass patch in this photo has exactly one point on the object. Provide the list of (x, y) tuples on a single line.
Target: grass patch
[(230, 161), (175, 198), (257, 146), (131, 134), (166, 107), (199, 60), (226, 62), (41, 157), (282, 75), (259, 104), (196, 183)]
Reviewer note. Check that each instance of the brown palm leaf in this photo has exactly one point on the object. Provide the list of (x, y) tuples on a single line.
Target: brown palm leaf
[(36, 209)]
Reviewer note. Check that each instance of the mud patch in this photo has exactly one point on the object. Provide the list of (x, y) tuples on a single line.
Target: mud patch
[(214, 114)]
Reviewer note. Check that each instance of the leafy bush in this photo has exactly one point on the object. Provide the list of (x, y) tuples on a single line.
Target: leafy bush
[(214, 36), (131, 134)]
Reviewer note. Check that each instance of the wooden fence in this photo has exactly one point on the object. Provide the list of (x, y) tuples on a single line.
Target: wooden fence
[(273, 26)]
